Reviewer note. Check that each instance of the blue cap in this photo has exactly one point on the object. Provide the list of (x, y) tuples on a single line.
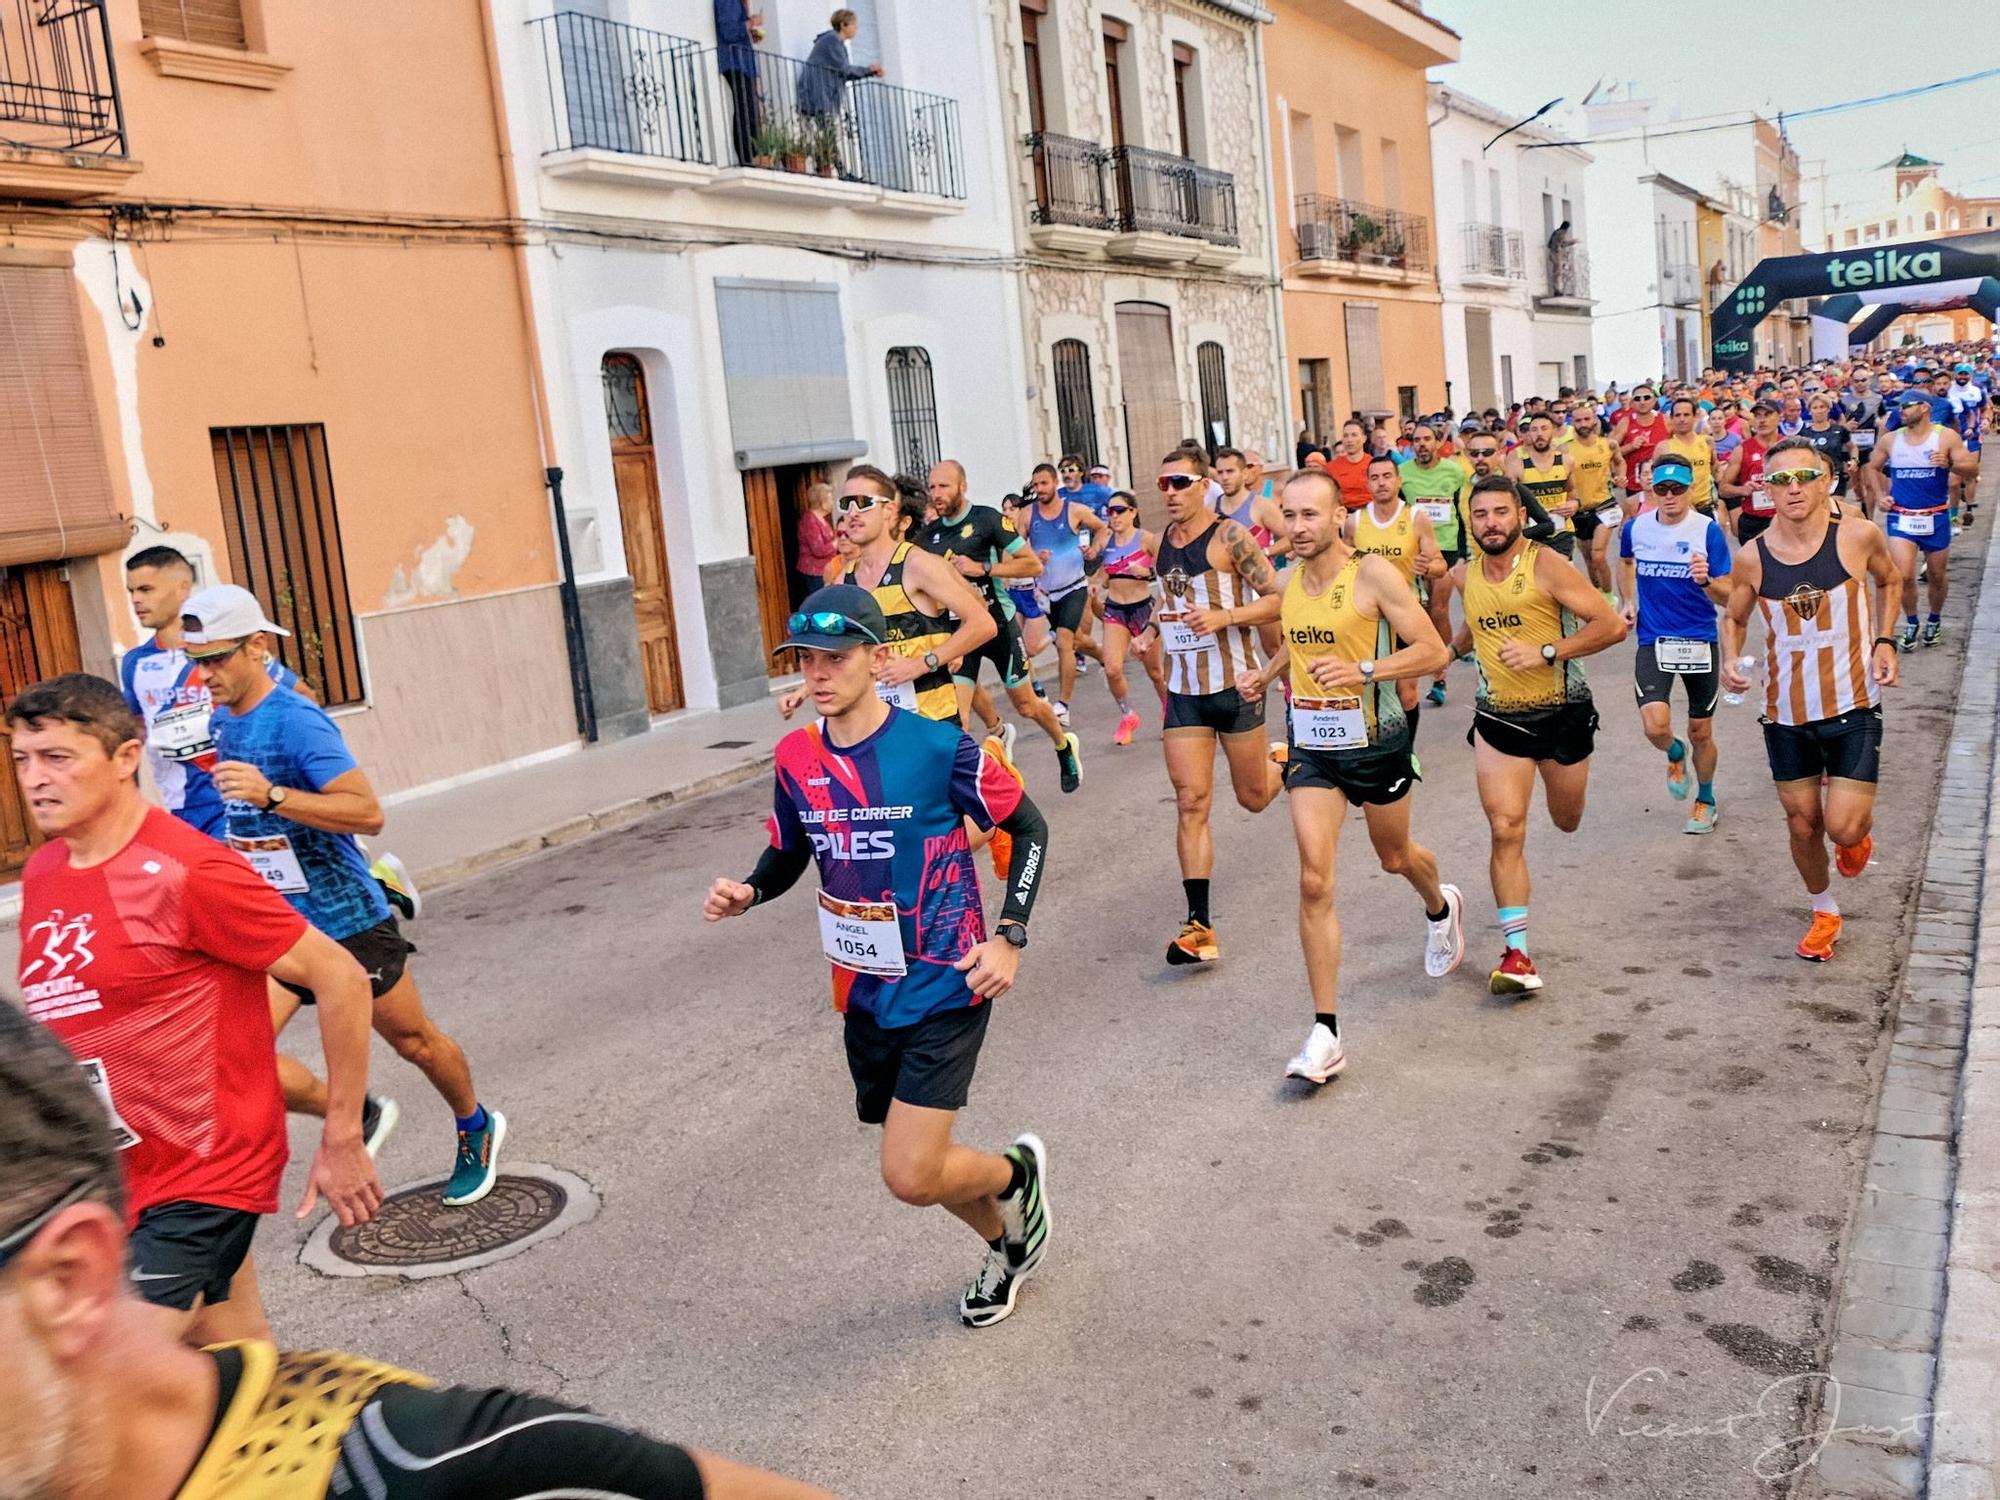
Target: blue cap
[(838, 617), (1963, 369), (1674, 470)]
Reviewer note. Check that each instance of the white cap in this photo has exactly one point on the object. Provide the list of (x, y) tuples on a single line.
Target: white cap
[(225, 612)]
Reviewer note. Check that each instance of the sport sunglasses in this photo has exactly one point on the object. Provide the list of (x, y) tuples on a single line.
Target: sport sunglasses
[(1178, 482), (17, 1239), (1792, 476), (1671, 487), (847, 503), (1118, 510), (830, 622)]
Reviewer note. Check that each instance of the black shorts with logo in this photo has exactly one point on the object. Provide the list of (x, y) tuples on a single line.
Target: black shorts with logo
[(1380, 774), (1564, 734), (1066, 613), (1849, 747), (181, 1251), (1010, 663), (381, 950), (1654, 684), (1226, 712), (929, 1064)]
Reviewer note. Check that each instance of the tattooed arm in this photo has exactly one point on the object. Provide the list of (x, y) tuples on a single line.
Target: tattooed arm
[(1247, 558)]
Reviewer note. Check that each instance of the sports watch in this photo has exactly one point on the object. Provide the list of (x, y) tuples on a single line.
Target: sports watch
[(1367, 671), (1549, 652), (1015, 934), (275, 798), (931, 661)]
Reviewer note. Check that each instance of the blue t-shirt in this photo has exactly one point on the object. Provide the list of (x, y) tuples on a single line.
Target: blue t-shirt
[(176, 712), (324, 875), (885, 821), (1671, 603), (1096, 496)]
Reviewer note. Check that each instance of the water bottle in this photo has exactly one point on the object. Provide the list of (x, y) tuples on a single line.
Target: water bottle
[(1747, 665)]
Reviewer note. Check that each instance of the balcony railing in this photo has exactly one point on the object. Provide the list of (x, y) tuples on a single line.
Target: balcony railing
[(1070, 185), (58, 85), (623, 88), (1342, 229), (1161, 193), (1493, 251), (1566, 273), (1679, 284)]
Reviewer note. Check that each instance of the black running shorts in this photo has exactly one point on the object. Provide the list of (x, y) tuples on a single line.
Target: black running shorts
[(1377, 773), (382, 950), (1749, 527), (181, 1251), (1226, 712), (1652, 684), (1066, 613), (929, 1064), (1010, 663), (1565, 734), (1586, 523), (1849, 747)]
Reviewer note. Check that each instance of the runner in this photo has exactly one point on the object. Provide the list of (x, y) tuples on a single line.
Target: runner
[(1129, 572), (1695, 449), (1530, 617), (1433, 486), (1638, 430), (1208, 568), (1829, 439), (1913, 469), (1741, 478), (295, 799), (1673, 570), (95, 1386), (1807, 574), (1054, 531), (1028, 611), (879, 798), (1248, 507), (1539, 467), (1349, 464), (144, 947), (1392, 530), (1596, 473), (1348, 741), (1969, 403)]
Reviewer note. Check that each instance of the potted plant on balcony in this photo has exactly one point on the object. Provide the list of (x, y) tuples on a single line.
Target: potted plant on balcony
[(1394, 251), (796, 154), (826, 147), (766, 145), (1362, 232)]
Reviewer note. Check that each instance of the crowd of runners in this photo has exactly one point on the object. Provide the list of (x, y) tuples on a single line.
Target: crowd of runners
[(1297, 621)]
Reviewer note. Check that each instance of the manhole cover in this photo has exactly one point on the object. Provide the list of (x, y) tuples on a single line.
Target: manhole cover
[(416, 1235)]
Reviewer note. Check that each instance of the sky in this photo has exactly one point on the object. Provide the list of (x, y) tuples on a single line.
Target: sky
[(1708, 56)]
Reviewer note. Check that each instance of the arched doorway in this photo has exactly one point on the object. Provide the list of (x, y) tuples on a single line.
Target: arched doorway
[(628, 415)]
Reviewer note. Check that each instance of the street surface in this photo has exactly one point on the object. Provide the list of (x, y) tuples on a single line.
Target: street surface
[(1432, 1277)]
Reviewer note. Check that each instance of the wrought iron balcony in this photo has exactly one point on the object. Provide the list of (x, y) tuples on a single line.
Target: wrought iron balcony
[(1565, 275), (1341, 229), (1070, 185), (1679, 284), (1493, 251), (623, 88), (1161, 193), (58, 84)]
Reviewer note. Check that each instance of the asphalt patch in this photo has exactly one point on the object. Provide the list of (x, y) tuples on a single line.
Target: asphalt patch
[(1699, 1276), (1754, 1347), (1444, 1282)]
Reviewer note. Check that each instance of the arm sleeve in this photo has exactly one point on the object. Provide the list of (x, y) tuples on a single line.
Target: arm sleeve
[(234, 915), (1541, 526), (778, 870), (1030, 831), (425, 1444)]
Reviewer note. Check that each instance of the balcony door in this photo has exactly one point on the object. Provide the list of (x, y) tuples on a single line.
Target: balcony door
[(637, 475), (1150, 392), (37, 641), (1479, 358)]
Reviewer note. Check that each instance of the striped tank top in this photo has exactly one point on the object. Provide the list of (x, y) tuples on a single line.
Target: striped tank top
[(1821, 637), (913, 633), (1198, 665), (1517, 609), (1550, 486), (1394, 540)]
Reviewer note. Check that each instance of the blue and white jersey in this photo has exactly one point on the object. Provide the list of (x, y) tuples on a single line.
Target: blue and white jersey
[(1671, 603), (1062, 569), (1918, 476), (170, 698)]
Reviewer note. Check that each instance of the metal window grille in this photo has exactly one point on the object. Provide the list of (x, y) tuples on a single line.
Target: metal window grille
[(1076, 408), (913, 410), (1212, 370), (283, 532)]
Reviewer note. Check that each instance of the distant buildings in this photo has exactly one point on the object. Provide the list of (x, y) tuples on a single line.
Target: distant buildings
[(1909, 202)]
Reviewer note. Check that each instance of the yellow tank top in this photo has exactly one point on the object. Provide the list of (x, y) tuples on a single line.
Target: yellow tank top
[(914, 633), (1395, 541), (281, 1436), (1330, 624), (1592, 462), (1549, 485), (1699, 451), (1517, 609)]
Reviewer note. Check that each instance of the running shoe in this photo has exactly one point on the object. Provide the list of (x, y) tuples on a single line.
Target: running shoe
[(1933, 632), (1906, 639), (1444, 943), (1195, 945), (378, 1121), (1679, 783), (394, 877), (1008, 734), (1706, 816), (1516, 974), (990, 1298), (1070, 759), (1851, 862), (1817, 945), (1320, 1058), (1025, 1219), (1062, 712), (1128, 725), (1082, 665), (478, 1162), (1436, 695)]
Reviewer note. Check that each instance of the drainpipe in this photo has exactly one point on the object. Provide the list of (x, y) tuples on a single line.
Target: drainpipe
[(1280, 217), (582, 699)]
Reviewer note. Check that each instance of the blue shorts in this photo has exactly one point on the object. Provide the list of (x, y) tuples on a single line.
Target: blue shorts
[(1938, 538), (1027, 603)]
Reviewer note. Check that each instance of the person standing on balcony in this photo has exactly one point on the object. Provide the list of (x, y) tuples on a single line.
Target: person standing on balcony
[(828, 71), (737, 29)]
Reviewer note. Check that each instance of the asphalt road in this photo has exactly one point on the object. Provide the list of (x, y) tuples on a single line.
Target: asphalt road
[(1433, 1277)]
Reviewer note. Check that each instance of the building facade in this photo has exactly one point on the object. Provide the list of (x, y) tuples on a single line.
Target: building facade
[(1910, 202), (293, 348), (1647, 280), (1133, 140), (1350, 127)]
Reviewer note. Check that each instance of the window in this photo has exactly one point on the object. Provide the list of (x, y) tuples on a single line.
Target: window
[(1406, 402), (1115, 33), (1031, 56), (1364, 357), (1315, 396), (1506, 380), (1851, 238), (1930, 220), (1951, 219), (1183, 69), (213, 23), (1392, 174), (1305, 162), (1212, 372), (1493, 215), (913, 410), (283, 531), (1076, 408), (1548, 215), (1568, 216), (1583, 372), (784, 372), (1468, 190), (1347, 152)]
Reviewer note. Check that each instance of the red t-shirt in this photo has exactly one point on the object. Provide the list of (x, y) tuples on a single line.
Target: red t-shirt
[(1351, 474), (150, 969)]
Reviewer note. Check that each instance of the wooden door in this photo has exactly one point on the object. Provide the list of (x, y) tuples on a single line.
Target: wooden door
[(1151, 395), (767, 548), (37, 641), (638, 479)]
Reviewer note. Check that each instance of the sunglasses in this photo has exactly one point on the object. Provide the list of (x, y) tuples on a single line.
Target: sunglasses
[(1670, 488), (1178, 482), (1482, 452), (849, 503), (17, 1239), (1791, 476), (212, 658), (830, 622), (1118, 510)]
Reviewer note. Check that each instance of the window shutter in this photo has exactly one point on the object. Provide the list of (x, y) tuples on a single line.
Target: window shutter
[(1364, 358), (213, 23), (55, 489), (784, 368)]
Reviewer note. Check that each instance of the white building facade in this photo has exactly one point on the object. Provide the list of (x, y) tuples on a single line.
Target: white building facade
[(1643, 272)]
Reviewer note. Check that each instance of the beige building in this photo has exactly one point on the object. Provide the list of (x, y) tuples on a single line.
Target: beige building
[(1916, 206)]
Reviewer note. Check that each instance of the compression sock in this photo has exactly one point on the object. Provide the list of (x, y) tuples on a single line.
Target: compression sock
[(1329, 1020), (1677, 751), (1514, 923), (475, 1121), (1439, 915), (1197, 900), (1706, 793), (1934, 617), (1824, 902), (1912, 620)]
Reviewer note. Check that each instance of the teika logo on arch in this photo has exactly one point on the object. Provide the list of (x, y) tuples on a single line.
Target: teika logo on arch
[(1884, 268)]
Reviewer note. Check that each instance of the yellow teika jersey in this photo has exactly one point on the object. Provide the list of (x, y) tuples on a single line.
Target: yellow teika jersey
[(281, 1435), (1329, 624), (1395, 540), (1698, 451), (1516, 608), (1591, 463), (1549, 485)]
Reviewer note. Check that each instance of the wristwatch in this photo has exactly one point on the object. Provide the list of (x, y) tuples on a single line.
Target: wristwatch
[(931, 661), (1367, 670), (275, 798), (1549, 652), (1015, 934)]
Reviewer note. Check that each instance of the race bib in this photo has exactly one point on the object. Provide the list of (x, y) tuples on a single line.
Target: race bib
[(1328, 724), (181, 732), (274, 858), (862, 937), (123, 1136), (1913, 523), (1438, 512), (1864, 438), (902, 694), (1180, 638), (1610, 515), (1684, 656)]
